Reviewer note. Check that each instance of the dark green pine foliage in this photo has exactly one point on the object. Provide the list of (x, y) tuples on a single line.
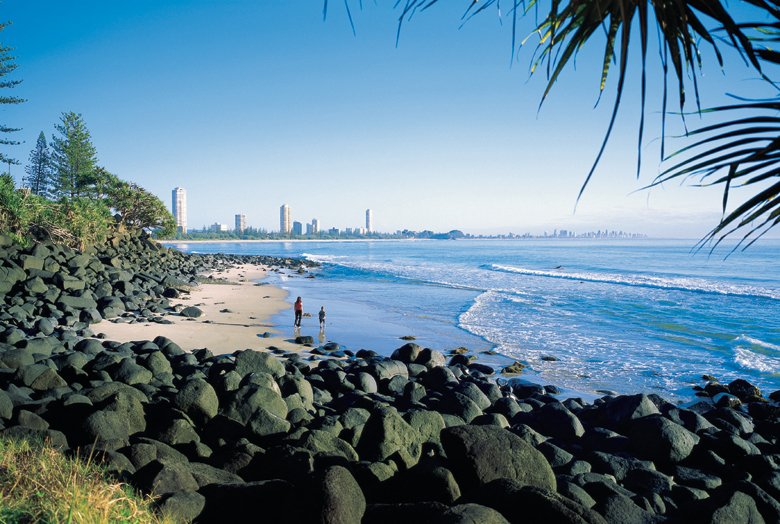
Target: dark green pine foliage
[(74, 157), (39, 168), (7, 66)]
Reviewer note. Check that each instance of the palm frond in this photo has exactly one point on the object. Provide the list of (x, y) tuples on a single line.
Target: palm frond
[(740, 152)]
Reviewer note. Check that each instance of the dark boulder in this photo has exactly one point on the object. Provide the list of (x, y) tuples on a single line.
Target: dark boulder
[(407, 353), (338, 497), (182, 506), (386, 433), (520, 503), (618, 411), (250, 361), (205, 474), (660, 439), (554, 420), (198, 400), (480, 454), (191, 312), (160, 477), (131, 373), (620, 508)]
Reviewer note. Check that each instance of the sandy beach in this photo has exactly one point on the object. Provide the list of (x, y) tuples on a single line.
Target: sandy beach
[(236, 311)]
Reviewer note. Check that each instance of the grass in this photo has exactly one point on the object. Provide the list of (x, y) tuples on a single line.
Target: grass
[(40, 484)]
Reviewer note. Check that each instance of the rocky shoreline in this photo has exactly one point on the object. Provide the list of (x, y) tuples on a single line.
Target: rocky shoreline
[(419, 436)]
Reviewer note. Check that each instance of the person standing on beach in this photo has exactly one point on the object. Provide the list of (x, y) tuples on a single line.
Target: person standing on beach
[(298, 312), (322, 318)]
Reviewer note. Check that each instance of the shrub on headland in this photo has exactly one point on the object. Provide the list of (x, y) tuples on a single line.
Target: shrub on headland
[(80, 221), (40, 484), (70, 199)]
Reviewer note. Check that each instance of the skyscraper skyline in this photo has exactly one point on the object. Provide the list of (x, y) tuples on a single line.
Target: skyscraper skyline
[(285, 225), (369, 221), (179, 208)]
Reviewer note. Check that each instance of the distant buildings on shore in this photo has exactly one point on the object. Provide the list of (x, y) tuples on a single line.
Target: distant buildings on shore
[(179, 208), (240, 223), (288, 228), (296, 229), (564, 233), (285, 227)]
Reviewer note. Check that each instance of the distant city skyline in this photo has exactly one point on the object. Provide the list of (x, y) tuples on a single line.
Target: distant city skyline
[(296, 228), (287, 225)]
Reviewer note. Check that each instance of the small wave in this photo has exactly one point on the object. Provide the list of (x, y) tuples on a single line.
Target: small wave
[(678, 284), (423, 273), (744, 339), (753, 361), (322, 259)]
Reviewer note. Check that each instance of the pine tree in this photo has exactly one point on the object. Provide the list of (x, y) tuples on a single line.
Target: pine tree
[(74, 157), (7, 66), (39, 168)]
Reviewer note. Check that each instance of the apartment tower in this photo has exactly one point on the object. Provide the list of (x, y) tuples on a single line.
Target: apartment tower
[(369, 221), (285, 224), (240, 223), (179, 208)]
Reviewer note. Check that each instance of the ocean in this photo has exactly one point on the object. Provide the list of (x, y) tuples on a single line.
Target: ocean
[(586, 315)]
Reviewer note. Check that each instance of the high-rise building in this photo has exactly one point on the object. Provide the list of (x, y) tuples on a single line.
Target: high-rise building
[(285, 225), (179, 208), (240, 223), (315, 226), (309, 229), (297, 228), (369, 221)]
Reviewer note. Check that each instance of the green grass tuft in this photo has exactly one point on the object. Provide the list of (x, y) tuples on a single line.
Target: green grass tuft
[(40, 484)]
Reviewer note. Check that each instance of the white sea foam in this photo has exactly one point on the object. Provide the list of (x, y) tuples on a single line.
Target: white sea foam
[(755, 361), (640, 280), (744, 339), (428, 273)]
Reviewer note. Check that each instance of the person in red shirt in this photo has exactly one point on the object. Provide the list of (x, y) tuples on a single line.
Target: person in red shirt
[(298, 312)]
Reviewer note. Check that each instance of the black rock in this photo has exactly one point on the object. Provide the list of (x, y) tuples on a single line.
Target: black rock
[(480, 454), (160, 477), (661, 440), (338, 497), (191, 312), (519, 503)]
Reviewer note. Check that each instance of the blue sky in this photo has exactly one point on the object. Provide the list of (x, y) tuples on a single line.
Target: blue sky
[(249, 105)]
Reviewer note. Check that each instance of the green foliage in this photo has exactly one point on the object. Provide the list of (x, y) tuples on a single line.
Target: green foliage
[(40, 484), (137, 208), (88, 221), (38, 169), (7, 66), (74, 157), (20, 212)]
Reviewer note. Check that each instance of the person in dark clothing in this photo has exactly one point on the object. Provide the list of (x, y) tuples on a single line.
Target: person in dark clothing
[(298, 312), (322, 318)]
